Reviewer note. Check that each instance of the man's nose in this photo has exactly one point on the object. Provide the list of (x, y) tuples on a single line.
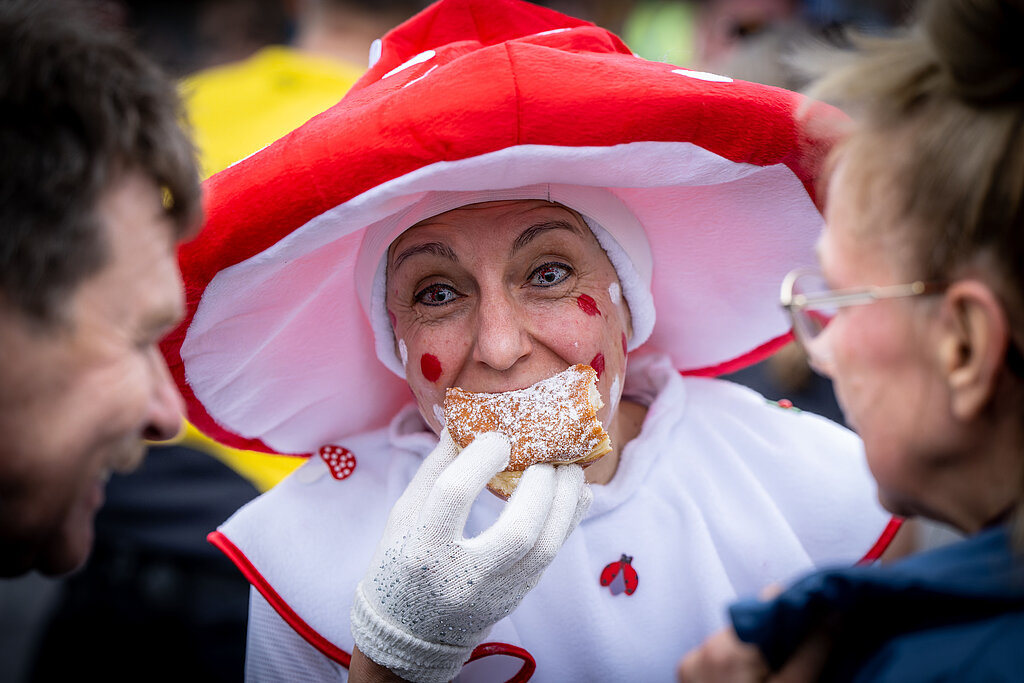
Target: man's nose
[(502, 337), (166, 406)]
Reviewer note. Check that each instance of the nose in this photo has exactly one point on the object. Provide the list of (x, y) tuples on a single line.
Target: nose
[(501, 336), (166, 407)]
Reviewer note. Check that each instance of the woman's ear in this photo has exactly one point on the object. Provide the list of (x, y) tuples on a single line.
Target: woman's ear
[(975, 334)]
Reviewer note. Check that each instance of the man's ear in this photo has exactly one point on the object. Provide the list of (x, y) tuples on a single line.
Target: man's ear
[(975, 334)]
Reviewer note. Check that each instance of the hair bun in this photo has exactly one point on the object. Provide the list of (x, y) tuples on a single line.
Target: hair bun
[(979, 44)]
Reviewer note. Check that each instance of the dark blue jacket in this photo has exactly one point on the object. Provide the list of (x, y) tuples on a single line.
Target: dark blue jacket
[(952, 614)]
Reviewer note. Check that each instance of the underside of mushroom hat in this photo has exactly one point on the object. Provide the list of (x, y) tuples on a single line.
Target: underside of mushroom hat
[(707, 185)]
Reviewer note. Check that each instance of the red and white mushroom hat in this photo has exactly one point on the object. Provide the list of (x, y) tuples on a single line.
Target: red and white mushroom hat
[(702, 190)]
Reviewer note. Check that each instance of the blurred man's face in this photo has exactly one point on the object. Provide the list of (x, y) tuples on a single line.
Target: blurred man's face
[(78, 402)]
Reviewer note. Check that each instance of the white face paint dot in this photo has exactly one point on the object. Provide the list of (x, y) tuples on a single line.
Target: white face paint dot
[(439, 416), (616, 394), (403, 351), (615, 292)]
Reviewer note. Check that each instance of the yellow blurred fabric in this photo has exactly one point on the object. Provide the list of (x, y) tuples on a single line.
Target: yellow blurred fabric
[(235, 110), (262, 469), (239, 108)]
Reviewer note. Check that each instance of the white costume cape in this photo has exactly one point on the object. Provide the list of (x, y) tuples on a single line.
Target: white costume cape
[(721, 494)]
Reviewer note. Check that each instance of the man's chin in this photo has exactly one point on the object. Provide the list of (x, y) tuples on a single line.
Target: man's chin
[(60, 565), (49, 559), (71, 552), (13, 564)]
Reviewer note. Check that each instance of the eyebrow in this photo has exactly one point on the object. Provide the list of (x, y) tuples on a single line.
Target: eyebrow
[(444, 251), (534, 230), (432, 248)]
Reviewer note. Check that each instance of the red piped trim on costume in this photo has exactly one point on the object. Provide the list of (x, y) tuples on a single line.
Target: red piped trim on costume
[(329, 649), (883, 541), (488, 649), (749, 358), (224, 544)]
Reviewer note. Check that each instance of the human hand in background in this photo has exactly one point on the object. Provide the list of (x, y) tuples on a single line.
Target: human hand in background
[(430, 595), (724, 658)]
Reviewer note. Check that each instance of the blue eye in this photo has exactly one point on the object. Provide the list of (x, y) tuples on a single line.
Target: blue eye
[(436, 295), (550, 274)]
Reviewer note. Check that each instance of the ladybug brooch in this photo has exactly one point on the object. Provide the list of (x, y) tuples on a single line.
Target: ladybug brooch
[(620, 576)]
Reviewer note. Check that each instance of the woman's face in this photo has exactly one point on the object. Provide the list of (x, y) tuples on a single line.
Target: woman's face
[(497, 296), (879, 355)]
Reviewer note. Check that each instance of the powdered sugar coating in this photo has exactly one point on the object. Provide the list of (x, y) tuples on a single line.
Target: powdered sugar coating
[(555, 420)]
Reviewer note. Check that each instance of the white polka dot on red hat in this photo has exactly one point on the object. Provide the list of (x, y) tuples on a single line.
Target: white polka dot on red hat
[(340, 461)]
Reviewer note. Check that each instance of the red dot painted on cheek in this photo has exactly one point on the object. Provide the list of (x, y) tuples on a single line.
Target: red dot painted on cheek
[(598, 364), (587, 304), (430, 366)]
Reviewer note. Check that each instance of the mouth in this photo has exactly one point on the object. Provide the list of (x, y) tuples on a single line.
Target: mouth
[(502, 390), (128, 458), (510, 386)]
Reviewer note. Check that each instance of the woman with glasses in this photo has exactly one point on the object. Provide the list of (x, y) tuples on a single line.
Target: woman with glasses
[(917, 315)]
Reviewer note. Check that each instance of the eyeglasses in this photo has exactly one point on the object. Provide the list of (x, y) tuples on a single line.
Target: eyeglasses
[(812, 305)]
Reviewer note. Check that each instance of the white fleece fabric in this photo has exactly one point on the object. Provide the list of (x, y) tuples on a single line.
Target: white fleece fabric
[(721, 494)]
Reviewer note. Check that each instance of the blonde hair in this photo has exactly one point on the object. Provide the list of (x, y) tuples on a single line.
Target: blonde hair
[(945, 99), (949, 96)]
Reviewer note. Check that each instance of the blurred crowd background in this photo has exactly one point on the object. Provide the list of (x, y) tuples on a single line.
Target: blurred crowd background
[(155, 601)]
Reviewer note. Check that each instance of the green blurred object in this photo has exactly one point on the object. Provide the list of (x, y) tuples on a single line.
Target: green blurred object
[(662, 31)]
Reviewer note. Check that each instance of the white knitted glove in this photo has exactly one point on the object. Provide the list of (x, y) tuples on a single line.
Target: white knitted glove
[(430, 595)]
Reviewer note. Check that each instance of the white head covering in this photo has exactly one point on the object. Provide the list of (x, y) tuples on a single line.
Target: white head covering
[(632, 262)]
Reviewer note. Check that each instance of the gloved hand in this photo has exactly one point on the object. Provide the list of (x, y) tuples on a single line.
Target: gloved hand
[(430, 595)]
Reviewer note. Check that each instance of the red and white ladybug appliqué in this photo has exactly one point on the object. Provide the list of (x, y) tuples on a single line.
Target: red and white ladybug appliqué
[(340, 461), (620, 576)]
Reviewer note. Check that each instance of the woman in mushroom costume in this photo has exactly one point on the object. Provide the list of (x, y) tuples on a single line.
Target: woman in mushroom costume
[(509, 191)]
